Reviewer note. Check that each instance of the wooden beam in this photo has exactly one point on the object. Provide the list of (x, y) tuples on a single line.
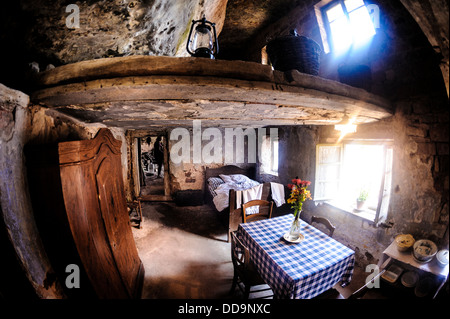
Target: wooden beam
[(152, 65), (147, 89)]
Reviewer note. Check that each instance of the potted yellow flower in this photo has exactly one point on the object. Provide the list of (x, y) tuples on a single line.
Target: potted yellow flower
[(299, 194)]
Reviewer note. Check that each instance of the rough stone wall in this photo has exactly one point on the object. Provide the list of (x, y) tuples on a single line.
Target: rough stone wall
[(106, 28), (419, 196), (420, 184), (191, 175), (406, 70), (46, 32), (433, 18), (22, 124), (395, 51), (15, 202)]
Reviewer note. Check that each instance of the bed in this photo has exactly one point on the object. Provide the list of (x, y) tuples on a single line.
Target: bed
[(225, 189)]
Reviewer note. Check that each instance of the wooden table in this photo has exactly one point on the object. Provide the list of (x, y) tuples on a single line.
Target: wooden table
[(296, 270)]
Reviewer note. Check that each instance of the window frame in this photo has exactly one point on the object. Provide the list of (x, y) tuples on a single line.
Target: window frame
[(338, 163), (379, 215), (324, 23), (268, 167)]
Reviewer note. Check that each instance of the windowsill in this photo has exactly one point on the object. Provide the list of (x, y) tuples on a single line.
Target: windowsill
[(367, 214)]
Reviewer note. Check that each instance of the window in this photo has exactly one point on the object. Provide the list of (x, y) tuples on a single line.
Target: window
[(345, 23), (344, 170), (269, 155)]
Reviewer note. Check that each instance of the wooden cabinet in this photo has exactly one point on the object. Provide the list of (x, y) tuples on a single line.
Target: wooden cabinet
[(87, 182)]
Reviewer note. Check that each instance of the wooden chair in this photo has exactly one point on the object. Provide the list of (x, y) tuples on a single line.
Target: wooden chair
[(324, 221), (244, 270), (359, 294), (265, 210)]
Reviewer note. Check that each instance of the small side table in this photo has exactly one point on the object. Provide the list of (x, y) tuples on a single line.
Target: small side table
[(391, 254)]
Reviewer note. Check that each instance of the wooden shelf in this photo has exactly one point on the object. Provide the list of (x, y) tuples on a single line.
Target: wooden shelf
[(431, 270), (407, 258), (138, 91)]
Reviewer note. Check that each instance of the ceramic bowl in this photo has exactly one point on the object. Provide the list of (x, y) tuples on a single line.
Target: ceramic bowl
[(442, 258), (404, 242), (424, 250)]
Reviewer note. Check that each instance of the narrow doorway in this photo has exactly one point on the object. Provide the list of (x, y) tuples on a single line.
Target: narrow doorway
[(152, 165), (149, 173)]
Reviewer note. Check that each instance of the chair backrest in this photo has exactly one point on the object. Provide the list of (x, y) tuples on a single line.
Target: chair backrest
[(239, 255), (242, 264), (264, 211), (325, 222)]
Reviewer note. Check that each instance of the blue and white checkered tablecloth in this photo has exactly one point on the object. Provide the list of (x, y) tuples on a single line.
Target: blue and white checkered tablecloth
[(296, 270)]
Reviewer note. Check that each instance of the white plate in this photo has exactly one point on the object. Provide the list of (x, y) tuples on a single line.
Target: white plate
[(300, 238)]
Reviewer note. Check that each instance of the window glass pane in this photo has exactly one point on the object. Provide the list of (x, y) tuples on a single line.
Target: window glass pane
[(358, 167), (269, 155), (329, 154), (328, 167), (383, 211), (354, 27), (351, 5), (361, 24), (341, 34), (328, 172), (275, 157), (363, 170), (326, 190), (335, 12)]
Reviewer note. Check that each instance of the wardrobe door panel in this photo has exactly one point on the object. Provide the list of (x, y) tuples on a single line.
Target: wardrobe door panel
[(94, 196), (86, 224), (116, 222)]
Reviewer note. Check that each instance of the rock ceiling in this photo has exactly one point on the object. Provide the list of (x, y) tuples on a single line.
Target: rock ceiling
[(132, 27), (120, 28)]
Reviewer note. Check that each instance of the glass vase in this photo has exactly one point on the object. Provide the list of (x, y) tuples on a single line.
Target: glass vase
[(294, 232)]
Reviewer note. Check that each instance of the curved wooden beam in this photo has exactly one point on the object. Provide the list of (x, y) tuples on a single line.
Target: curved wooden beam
[(139, 89)]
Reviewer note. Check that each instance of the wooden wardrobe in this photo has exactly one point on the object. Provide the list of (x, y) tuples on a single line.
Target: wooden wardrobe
[(80, 201)]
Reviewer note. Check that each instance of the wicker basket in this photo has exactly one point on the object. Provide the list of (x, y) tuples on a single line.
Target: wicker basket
[(294, 52)]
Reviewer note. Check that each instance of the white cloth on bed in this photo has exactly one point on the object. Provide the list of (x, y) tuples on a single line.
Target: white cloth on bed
[(277, 190), (246, 190), (222, 196), (247, 195), (238, 183)]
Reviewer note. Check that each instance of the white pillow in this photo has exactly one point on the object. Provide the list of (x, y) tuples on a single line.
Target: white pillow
[(239, 178), (226, 178), (215, 181)]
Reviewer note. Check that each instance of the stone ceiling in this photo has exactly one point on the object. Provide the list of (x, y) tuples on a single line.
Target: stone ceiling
[(131, 27), (37, 30), (246, 19)]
